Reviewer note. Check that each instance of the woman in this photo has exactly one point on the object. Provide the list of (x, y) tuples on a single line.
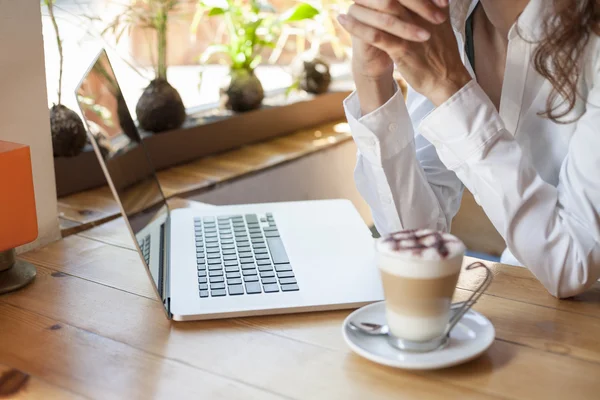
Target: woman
[(523, 136)]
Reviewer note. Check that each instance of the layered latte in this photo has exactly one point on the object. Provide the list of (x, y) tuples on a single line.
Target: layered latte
[(419, 270)]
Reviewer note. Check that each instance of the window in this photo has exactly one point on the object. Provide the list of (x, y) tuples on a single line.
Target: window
[(81, 22)]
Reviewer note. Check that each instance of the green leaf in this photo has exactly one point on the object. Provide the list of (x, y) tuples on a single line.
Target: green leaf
[(250, 30), (212, 50), (293, 87), (240, 58), (254, 63), (266, 43), (216, 11), (215, 4), (300, 12), (254, 6), (262, 5)]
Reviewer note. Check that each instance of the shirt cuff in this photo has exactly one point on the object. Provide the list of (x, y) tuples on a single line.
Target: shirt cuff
[(382, 133), (462, 127)]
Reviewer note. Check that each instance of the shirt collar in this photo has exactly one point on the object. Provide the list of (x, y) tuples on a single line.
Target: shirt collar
[(528, 25), (459, 12)]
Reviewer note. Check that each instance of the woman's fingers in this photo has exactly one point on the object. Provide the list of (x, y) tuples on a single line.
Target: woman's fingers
[(387, 6), (406, 17), (427, 10), (373, 36), (410, 10), (388, 23)]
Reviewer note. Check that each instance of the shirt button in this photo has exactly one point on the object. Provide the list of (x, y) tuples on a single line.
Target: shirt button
[(385, 198), (392, 127), (370, 142)]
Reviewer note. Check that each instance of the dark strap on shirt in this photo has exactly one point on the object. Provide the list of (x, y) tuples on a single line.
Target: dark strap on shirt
[(469, 46)]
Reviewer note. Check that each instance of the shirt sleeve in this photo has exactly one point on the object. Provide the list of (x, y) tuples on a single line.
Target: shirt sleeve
[(398, 171), (554, 231)]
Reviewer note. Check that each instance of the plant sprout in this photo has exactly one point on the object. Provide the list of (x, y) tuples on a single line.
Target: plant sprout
[(66, 128), (160, 107), (150, 14), (50, 5), (251, 26)]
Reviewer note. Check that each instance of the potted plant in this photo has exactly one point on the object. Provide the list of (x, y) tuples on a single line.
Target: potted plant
[(309, 69), (68, 133), (311, 73), (251, 26), (160, 107)]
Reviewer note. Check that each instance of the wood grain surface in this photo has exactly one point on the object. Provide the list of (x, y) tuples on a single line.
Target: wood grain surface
[(80, 211), (90, 326), (17, 384)]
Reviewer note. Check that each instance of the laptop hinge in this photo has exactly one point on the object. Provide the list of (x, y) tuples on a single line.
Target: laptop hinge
[(167, 304), (167, 263)]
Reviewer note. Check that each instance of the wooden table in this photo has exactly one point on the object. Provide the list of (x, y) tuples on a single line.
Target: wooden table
[(90, 327)]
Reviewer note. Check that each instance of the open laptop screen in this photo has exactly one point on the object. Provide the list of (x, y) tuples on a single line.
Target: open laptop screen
[(126, 162)]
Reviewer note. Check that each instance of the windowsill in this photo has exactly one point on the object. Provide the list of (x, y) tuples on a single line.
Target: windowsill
[(209, 131), (86, 209)]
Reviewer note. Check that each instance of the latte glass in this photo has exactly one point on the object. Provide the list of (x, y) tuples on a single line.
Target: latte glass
[(419, 270)]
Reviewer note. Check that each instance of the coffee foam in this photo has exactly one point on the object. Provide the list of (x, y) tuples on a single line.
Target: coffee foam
[(425, 244), (420, 254)]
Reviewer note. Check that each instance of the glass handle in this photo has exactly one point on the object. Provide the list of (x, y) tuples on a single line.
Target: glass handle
[(474, 297)]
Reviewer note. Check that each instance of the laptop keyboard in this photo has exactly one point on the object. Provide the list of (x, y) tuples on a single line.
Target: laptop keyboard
[(145, 246), (241, 254)]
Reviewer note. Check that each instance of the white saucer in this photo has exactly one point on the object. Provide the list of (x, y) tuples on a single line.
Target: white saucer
[(472, 336)]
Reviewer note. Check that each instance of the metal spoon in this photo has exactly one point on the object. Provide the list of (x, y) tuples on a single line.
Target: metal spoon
[(400, 344), (369, 328), (372, 329)]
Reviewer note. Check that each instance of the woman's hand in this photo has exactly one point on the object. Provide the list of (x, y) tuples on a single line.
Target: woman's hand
[(371, 62), (425, 52)]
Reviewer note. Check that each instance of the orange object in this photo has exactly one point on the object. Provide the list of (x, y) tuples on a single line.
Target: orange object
[(18, 219)]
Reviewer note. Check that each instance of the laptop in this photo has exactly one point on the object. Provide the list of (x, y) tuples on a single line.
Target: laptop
[(227, 261)]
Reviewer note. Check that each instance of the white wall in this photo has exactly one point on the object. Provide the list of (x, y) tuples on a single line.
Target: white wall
[(324, 175), (23, 104)]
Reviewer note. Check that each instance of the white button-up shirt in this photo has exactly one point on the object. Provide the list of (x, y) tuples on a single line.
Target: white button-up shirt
[(538, 181)]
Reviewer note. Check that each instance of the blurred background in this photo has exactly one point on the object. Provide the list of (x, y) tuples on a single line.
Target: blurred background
[(87, 25)]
